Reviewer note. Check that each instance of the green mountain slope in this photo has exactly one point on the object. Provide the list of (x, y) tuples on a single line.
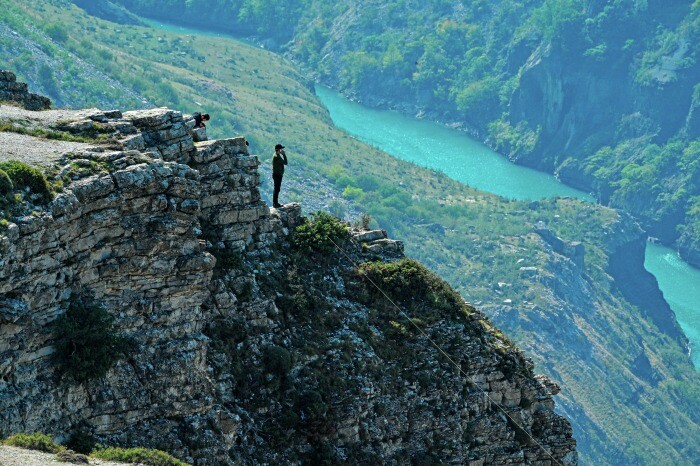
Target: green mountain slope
[(629, 387), (534, 78)]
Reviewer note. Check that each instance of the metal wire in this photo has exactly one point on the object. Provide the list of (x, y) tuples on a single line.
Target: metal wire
[(457, 366)]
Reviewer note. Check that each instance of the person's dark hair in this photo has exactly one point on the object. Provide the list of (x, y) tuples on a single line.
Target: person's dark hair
[(205, 117)]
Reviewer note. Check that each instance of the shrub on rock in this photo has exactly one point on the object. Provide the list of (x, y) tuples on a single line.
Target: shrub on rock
[(87, 345), (35, 441), (69, 456), (320, 235), (411, 285), (25, 176), (137, 455), (277, 360)]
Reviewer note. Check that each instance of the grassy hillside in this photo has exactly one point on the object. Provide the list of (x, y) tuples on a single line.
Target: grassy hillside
[(630, 390)]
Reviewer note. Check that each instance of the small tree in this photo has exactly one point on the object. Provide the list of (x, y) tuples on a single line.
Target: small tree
[(337, 208), (86, 343), (277, 360)]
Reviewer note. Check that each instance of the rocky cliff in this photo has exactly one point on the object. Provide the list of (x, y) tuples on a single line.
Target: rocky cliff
[(13, 91), (242, 350)]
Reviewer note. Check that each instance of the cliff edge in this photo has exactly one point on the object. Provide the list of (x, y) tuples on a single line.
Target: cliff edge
[(251, 338)]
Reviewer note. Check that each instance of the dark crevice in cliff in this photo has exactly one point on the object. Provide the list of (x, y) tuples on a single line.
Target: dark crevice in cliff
[(639, 287)]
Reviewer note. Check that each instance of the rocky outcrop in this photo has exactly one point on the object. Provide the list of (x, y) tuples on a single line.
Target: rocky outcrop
[(689, 247), (624, 242), (376, 241), (626, 245), (692, 122), (574, 250), (244, 351), (358, 387), (13, 91), (571, 173)]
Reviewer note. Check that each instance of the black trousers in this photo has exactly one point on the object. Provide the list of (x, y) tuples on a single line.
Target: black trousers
[(278, 185)]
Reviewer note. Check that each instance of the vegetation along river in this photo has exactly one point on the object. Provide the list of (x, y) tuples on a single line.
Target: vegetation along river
[(462, 158), (466, 160)]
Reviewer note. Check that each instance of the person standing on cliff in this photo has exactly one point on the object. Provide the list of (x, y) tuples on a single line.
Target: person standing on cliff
[(279, 160)]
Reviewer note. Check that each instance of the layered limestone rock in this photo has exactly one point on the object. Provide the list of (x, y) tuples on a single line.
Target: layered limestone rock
[(245, 351), (573, 250), (13, 91), (130, 238)]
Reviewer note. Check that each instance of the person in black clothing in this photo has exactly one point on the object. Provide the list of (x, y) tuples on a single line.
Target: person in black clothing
[(199, 120), (279, 160)]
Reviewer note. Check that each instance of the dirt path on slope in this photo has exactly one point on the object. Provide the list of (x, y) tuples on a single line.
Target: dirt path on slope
[(12, 456), (35, 151)]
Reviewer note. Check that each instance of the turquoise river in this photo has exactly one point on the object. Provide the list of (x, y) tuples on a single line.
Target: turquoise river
[(462, 158)]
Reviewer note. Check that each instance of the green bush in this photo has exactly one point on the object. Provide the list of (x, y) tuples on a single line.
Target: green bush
[(35, 441), (337, 208), (81, 441), (227, 259), (6, 185), (320, 235), (47, 79), (477, 95), (57, 32), (277, 360), (313, 407), (137, 455), (412, 286), (25, 176), (94, 134), (353, 192), (86, 343)]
